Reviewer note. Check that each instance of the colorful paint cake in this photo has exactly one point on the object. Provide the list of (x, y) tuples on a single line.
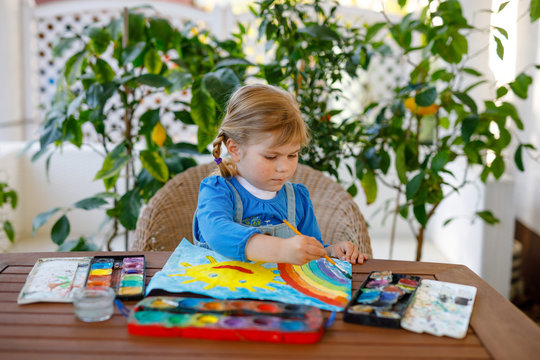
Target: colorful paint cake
[(244, 320), (125, 275), (382, 299)]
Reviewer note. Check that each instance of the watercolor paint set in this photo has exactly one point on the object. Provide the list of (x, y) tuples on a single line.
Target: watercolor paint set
[(124, 274), (382, 299), (233, 320)]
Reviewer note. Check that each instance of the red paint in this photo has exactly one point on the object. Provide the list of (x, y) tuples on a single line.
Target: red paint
[(238, 268)]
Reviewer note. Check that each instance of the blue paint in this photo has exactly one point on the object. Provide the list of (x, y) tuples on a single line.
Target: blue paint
[(190, 302), (292, 325)]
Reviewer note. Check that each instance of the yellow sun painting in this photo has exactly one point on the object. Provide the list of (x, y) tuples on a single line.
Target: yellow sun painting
[(231, 274)]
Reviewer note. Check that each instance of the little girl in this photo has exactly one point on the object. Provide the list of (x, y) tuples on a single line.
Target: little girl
[(240, 212)]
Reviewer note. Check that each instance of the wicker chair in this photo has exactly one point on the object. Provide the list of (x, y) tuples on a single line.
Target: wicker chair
[(168, 217)]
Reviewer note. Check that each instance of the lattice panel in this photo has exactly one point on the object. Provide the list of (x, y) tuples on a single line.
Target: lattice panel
[(48, 69)]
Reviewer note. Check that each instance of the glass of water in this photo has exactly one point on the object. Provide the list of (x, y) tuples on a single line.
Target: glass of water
[(93, 304)]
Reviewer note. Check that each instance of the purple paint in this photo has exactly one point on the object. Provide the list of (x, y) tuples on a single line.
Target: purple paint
[(233, 322), (330, 270)]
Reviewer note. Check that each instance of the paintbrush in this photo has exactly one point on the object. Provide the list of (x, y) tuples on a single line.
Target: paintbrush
[(330, 260)]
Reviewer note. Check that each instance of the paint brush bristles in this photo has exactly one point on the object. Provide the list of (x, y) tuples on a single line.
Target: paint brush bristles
[(325, 256)]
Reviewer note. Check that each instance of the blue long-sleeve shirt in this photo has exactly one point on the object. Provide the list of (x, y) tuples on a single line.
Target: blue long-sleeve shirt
[(214, 223)]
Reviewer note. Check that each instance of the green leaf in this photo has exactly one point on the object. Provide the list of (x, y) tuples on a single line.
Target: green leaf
[(426, 97), (467, 100), (500, 48), (402, 3), (439, 161), (497, 167), (501, 91), (488, 217), (203, 113), (520, 85), (518, 157), (233, 62), (113, 163), (221, 84), (502, 6), (62, 45), (78, 245), (136, 27), (148, 120), (152, 61), (412, 186), (448, 221), (128, 208), (90, 203), (534, 10), (153, 80), (42, 218), (468, 126), (184, 116), (472, 72), (155, 165), (72, 70), (352, 190), (131, 52), (373, 30), (99, 39), (60, 230), (104, 72), (179, 79), (369, 184), (10, 232), (401, 167), (320, 32), (162, 32), (420, 214), (502, 31)]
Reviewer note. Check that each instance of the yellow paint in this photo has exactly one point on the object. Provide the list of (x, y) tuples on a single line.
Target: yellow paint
[(101, 272), (231, 274)]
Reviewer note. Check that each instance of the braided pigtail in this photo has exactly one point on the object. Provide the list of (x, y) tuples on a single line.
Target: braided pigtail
[(225, 167)]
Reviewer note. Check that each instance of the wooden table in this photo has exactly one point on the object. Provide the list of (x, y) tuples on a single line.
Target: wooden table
[(51, 331)]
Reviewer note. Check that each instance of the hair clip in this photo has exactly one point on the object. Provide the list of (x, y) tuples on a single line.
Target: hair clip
[(218, 160)]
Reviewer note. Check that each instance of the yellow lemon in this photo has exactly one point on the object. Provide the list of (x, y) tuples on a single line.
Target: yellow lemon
[(410, 104), (159, 134)]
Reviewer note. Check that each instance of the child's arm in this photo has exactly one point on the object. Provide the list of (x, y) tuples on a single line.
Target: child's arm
[(297, 250), (347, 251)]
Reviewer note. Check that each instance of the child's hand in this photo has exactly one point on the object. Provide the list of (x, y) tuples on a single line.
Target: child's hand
[(347, 251), (301, 249)]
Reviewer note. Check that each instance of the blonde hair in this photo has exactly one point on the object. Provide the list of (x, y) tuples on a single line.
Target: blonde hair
[(254, 110)]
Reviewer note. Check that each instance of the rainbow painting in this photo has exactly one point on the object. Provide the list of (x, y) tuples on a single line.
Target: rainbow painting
[(193, 269), (318, 279)]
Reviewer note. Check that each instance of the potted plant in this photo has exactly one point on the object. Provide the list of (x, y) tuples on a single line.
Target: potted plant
[(312, 52), (113, 69)]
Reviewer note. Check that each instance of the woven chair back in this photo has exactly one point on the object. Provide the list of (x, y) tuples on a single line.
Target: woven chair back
[(168, 217)]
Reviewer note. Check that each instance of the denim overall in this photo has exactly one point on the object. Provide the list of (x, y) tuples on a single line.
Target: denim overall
[(279, 230)]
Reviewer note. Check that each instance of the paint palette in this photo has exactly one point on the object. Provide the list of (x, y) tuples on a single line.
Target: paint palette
[(235, 320), (124, 274), (382, 299)]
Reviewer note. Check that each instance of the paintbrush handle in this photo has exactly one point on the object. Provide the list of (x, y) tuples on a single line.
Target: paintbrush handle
[(292, 227), (330, 260)]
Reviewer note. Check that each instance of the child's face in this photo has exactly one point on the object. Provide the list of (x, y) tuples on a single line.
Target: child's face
[(264, 165)]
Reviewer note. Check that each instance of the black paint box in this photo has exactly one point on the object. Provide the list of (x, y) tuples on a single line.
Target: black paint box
[(382, 299), (126, 275)]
